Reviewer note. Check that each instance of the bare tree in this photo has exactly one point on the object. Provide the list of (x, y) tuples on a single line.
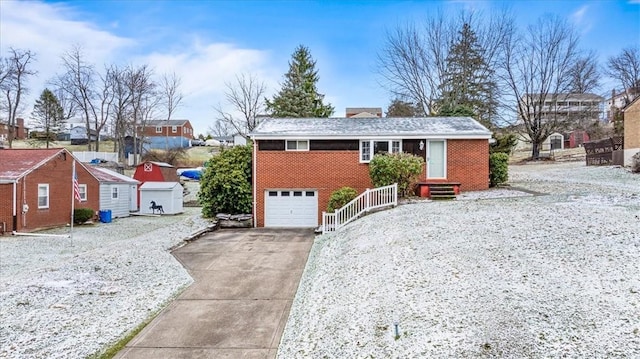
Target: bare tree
[(143, 100), (536, 67), (413, 61), (625, 69), (170, 93), (170, 97), (245, 99), (220, 128), (78, 82), (120, 107), (585, 76), (14, 72)]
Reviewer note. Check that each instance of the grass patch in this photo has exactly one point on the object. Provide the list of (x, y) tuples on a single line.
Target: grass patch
[(120, 344), (111, 351)]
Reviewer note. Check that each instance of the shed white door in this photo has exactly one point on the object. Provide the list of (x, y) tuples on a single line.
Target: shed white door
[(291, 208)]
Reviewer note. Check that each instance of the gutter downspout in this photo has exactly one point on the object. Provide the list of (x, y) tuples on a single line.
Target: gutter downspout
[(15, 207), (255, 181)]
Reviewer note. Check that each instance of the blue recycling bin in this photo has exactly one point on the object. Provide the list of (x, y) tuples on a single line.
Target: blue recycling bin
[(105, 216)]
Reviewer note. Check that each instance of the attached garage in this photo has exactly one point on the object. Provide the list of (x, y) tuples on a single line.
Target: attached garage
[(291, 208)]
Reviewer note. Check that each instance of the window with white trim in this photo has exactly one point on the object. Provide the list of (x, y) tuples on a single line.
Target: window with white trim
[(369, 148), (43, 195), (174, 129), (114, 192), (82, 189), (298, 145), (158, 129)]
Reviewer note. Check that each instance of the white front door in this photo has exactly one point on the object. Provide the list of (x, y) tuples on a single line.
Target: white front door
[(291, 208), (436, 159)]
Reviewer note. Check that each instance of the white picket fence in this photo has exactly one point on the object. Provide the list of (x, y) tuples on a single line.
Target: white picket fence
[(87, 156), (365, 202)]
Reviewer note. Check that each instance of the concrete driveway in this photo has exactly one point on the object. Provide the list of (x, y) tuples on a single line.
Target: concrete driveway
[(245, 281)]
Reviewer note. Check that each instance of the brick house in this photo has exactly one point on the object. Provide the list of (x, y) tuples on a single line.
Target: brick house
[(166, 134), (36, 189), (631, 130), (298, 162), (19, 131)]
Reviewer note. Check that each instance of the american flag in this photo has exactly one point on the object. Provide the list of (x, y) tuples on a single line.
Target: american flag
[(76, 188)]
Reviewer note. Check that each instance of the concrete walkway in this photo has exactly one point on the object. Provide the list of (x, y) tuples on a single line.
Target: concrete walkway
[(245, 281)]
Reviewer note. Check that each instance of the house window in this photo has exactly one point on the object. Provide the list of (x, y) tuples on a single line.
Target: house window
[(43, 196), (395, 146), (148, 167), (158, 129), (114, 192), (174, 129), (301, 145), (365, 151), (82, 188), (369, 148)]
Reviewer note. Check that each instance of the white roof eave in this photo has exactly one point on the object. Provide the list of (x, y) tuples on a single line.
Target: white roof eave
[(458, 135)]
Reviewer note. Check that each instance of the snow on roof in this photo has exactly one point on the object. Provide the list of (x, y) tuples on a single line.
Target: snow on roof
[(107, 175), (159, 164), (15, 163), (159, 185), (458, 127)]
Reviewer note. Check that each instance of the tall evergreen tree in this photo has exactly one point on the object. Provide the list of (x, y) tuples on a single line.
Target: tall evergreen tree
[(48, 114), (468, 79), (299, 95)]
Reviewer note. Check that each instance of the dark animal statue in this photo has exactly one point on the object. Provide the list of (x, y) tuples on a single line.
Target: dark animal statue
[(155, 207)]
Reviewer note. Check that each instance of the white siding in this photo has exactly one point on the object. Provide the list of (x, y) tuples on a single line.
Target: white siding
[(119, 206)]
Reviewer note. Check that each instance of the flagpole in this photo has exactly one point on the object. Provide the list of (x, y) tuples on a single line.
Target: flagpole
[(73, 199)]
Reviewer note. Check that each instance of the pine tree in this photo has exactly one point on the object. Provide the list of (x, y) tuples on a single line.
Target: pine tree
[(48, 115), (299, 95), (468, 79)]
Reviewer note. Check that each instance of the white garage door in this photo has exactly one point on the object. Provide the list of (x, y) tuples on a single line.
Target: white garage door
[(291, 208)]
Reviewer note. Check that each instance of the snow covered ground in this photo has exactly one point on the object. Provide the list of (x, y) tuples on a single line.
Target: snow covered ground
[(515, 275), (69, 298)]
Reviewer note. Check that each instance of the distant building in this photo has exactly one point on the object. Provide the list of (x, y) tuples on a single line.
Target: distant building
[(19, 131), (618, 101), (78, 135), (362, 112)]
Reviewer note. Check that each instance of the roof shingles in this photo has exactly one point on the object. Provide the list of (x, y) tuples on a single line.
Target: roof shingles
[(15, 163), (369, 127)]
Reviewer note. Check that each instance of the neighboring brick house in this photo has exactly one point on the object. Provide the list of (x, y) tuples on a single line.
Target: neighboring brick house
[(36, 189), (631, 130), (19, 131), (166, 134), (363, 112), (299, 162)]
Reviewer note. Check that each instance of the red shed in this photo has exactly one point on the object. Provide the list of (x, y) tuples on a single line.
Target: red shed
[(575, 139), (151, 171), (156, 172)]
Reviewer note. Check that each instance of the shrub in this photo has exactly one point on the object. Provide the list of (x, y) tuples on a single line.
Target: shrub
[(498, 168), (225, 185), (503, 144), (635, 163), (81, 215), (341, 197), (401, 168)]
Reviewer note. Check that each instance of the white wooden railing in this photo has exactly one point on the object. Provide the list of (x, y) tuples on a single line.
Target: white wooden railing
[(365, 202)]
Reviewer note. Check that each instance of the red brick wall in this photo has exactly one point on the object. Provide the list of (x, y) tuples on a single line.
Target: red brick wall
[(150, 131), (468, 163), (327, 171), (56, 173)]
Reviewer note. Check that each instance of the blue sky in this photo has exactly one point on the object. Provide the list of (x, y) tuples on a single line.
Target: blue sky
[(208, 42)]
